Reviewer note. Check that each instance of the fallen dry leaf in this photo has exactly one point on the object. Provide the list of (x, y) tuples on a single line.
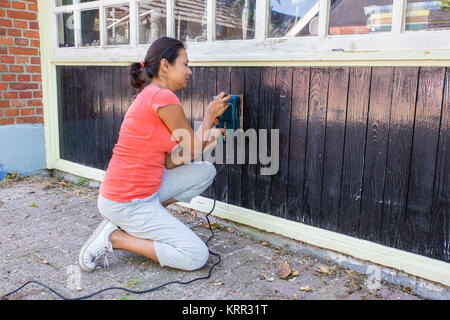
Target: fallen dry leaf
[(323, 269), (295, 273), (265, 243), (306, 288), (214, 225), (193, 213), (407, 290), (349, 271), (284, 270), (43, 262)]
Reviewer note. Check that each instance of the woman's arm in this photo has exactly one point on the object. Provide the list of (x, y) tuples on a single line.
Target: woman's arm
[(192, 144)]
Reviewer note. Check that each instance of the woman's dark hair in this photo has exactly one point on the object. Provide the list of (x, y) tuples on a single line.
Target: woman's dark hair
[(163, 47)]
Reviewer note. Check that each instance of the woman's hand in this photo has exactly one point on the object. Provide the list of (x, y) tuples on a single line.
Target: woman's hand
[(218, 106)]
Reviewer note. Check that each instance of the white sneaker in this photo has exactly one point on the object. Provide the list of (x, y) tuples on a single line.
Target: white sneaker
[(97, 244)]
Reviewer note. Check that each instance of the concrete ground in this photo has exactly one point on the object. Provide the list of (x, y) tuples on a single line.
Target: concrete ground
[(45, 221)]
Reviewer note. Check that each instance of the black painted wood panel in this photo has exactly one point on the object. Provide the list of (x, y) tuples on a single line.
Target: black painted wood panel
[(315, 143), (399, 154), (375, 154), (354, 150), (423, 159), (282, 121), (251, 105), (237, 86), (265, 122), (334, 148), (439, 231), (363, 151), (297, 143)]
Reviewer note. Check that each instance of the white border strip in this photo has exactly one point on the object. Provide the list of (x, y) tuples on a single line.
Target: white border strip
[(410, 263), (79, 170)]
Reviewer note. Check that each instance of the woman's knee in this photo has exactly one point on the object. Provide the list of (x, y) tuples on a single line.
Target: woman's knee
[(198, 257)]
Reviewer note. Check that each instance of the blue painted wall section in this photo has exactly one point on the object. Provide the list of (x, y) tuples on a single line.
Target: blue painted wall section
[(22, 149)]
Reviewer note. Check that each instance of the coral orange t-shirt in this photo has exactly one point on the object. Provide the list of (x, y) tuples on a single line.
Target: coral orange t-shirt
[(137, 165)]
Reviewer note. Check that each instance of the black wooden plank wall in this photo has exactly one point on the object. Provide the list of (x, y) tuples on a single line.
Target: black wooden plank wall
[(364, 151)]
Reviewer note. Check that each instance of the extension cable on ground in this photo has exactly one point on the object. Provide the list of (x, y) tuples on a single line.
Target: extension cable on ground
[(4, 297)]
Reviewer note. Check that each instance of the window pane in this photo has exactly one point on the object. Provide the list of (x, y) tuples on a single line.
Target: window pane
[(293, 18), (90, 28), (190, 20), (152, 20), (431, 15), (357, 17), (65, 30), (63, 2), (235, 19), (117, 25)]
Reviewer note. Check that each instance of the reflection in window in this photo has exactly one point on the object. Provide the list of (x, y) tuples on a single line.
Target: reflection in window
[(152, 20), (293, 18), (235, 19), (429, 15), (90, 28), (359, 17), (117, 25), (191, 20), (63, 2), (65, 30)]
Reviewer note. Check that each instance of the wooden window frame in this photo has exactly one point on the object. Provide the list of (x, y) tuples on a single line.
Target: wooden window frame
[(394, 45)]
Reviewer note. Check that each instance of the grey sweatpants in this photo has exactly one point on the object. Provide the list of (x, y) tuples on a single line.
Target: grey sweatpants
[(175, 244)]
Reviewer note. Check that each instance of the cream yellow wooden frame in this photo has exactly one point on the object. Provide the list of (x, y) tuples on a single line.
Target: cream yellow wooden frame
[(322, 51)]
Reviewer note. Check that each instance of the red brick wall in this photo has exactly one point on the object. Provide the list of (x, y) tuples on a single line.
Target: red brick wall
[(20, 65)]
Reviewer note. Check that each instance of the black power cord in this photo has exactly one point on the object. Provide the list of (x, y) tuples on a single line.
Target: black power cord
[(125, 289)]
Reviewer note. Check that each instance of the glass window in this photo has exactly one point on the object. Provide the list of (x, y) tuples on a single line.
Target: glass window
[(430, 15), (90, 28), (191, 20), (63, 2), (152, 20), (293, 18), (359, 17), (235, 19), (65, 30), (117, 25)]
